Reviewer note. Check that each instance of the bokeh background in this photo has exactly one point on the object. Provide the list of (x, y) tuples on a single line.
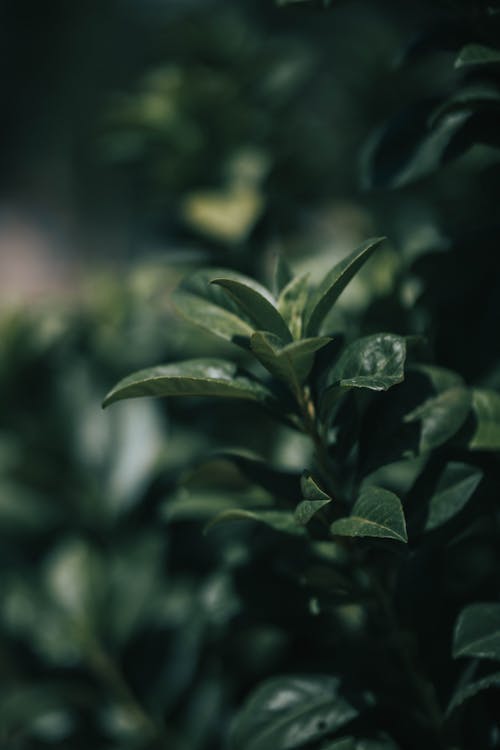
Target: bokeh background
[(141, 139)]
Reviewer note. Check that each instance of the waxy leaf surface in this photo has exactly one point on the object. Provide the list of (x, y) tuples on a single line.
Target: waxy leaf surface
[(376, 513), (477, 632)]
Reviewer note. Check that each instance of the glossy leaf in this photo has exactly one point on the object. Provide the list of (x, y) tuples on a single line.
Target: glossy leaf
[(291, 363), (477, 54), (292, 712), (375, 362), (440, 417), (376, 513), (468, 691), (258, 306), (324, 297), (292, 302), (486, 411), (279, 520), (477, 632), (456, 486), (194, 377)]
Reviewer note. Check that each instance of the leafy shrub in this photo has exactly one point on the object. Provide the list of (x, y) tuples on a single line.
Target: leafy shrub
[(395, 499)]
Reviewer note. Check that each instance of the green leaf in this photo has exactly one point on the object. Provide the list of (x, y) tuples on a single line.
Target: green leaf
[(315, 499), (292, 712), (477, 54), (330, 289), (376, 513), (292, 302), (194, 377), (204, 505), (208, 306), (455, 487), (375, 362), (407, 149), (441, 417), (486, 412), (291, 363), (311, 490), (466, 692), (474, 97), (279, 520), (256, 305), (477, 632)]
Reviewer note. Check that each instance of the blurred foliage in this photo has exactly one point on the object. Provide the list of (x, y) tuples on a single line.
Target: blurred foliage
[(217, 132)]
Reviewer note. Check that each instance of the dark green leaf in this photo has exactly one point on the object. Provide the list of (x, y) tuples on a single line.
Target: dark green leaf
[(441, 417), (311, 490), (291, 363), (375, 362), (204, 505), (477, 632), (315, 499), (288, 713), (376, 513), (279, 520), (324, 297), (486, 411), (407, 149), (194, 377), (257, 305), (208, 306), (477, 54), (292, 302), (466, 692), (456, 485), (279, 482), (471, 97)]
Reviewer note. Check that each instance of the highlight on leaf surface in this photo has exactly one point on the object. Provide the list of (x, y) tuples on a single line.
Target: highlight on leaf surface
[(377, 513), (195, 377)]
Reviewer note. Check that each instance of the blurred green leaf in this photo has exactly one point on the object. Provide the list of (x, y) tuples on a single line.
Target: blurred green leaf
[(441, 417), (486, 411), (456, 486), (376, 513), (279, 520), (477, 632), (477, 54), (466, 692), (291, 712)]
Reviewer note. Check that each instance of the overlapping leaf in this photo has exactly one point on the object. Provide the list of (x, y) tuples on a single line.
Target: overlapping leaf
[(292, 362), (375, 362), (456, 486)]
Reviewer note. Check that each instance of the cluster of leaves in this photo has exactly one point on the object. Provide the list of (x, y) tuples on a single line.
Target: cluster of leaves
[(378, 420)]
